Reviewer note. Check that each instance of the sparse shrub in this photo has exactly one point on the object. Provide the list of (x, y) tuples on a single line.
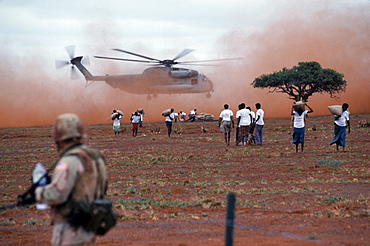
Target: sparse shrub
[(329, 163), (155, 130), (332, 199), (31, 222), (204, 128), (178, 130), (366, 124)]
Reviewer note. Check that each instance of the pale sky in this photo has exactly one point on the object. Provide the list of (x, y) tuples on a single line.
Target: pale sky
[(159, 28), (268, 34)]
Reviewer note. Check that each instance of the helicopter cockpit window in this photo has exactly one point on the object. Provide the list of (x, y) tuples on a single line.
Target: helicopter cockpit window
[(194, 81)]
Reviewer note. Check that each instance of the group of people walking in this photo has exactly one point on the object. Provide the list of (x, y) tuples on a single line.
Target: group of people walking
[(249, 125), (136, 120), (341, 123)]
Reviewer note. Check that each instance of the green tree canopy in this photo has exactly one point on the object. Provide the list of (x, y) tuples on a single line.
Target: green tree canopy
[(302, 81)]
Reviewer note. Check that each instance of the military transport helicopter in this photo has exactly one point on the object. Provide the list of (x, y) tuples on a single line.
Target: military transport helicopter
[(161, 78)]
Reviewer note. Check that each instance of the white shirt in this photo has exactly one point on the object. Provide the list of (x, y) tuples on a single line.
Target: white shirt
[(253, 115), (117, 120), (245, 117), (135, 118), (299, 119), (226, 114), (170, 117), (260, 113), (342, 120)]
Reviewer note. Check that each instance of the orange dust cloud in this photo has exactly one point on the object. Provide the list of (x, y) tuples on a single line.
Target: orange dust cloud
[(335, 36), (33, 93)]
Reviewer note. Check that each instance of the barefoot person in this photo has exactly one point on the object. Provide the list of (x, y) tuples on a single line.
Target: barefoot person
[(341, 122), (259, 124), (298, 121), (226, 122), (135, 121)]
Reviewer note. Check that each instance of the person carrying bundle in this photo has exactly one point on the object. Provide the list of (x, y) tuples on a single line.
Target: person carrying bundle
[(116, 117)]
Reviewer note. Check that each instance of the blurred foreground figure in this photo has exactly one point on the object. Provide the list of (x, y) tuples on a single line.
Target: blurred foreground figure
[(78, 180)]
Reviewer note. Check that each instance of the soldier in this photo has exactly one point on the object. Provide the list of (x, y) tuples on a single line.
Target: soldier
[(79, 177)]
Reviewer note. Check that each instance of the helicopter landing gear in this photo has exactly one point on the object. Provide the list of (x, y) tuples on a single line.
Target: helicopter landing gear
[(149, 97), (208, 95)]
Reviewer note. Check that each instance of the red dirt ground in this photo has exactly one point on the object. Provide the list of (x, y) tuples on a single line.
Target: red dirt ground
[(173, 191)]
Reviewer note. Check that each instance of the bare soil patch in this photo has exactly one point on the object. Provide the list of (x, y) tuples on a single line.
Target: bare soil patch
[(172, 191)]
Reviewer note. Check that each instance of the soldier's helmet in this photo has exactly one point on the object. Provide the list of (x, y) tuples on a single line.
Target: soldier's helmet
[(67, 126)]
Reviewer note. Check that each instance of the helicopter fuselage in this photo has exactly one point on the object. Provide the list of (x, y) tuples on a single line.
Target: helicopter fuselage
[(159, 80)]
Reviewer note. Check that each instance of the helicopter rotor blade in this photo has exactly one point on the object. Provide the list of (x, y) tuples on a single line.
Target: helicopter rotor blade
[(71, 51), (60, 64), (226, 59), (121, 59), (86, 60), (183, 53), (134, 54)]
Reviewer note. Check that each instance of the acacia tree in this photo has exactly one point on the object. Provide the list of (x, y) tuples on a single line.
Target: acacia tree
[(301, 81)]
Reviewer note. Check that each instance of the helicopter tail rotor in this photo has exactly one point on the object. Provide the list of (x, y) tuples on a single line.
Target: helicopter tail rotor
[(63, 63)]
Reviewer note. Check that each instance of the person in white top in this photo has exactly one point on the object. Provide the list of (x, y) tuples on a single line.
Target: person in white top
[(341, 122), (298, 121), (192, 115), (135, 121), (244, 119), (226, 122), (259, 124), (169, 120), (251, 139), (116, 117)]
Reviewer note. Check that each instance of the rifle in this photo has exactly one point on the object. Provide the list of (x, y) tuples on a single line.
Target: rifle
[(28, 197)]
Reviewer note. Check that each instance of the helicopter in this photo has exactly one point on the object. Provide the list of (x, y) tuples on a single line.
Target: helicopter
[(161, 78)]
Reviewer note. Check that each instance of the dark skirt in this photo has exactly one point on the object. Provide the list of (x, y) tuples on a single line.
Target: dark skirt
[(243, 131), (339, 136), (298, 135)]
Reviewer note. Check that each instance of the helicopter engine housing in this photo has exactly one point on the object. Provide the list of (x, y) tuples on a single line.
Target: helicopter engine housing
[(183, 73)]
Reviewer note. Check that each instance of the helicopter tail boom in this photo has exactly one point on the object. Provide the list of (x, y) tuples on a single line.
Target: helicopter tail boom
[(77, 62)]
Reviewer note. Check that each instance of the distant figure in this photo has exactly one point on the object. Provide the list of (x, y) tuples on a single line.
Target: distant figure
[(259, 124), (116, 117), (244, 119), (341, 122), (192, 115), (135, 120), (251, 139), (226, 122), (298, 121), (141, 113), (169, 119), (182, 116), (240, 107)]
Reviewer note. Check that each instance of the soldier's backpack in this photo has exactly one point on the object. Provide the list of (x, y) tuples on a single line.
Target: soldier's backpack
[(98, 216)]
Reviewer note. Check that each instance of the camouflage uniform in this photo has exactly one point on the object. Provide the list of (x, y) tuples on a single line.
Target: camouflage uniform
[(80, 175)]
